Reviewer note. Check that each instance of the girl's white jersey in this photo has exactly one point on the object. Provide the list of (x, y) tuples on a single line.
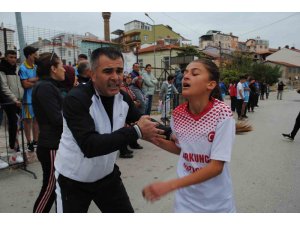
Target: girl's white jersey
[(201, 138)]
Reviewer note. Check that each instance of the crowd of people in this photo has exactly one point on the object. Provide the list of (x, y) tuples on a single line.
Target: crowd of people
[(78, 119)]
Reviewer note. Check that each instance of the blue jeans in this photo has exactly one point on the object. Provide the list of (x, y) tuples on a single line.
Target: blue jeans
[(148, 105)]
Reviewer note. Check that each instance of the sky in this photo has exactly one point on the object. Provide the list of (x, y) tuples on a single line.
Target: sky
[(280, 28)]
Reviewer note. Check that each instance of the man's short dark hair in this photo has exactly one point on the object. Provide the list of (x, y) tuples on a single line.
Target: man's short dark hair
[(243, 77), (10, 52), (109, 52), (28, 50), (170, 77), (83, 56), (147, 65)]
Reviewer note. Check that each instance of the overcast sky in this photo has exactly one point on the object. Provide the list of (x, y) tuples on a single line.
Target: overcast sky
[(280, 28)]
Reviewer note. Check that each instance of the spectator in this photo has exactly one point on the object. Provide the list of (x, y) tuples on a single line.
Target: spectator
[(84, 71), (280, 88), (232, 93), (47, 106), (28, 78), (148, 88), (166, 91), (240, 97), (178, 86), (80, 57), (11, 87), (69, 82)]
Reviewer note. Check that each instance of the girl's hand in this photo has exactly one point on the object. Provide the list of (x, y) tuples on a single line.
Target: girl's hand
[(154, 191)]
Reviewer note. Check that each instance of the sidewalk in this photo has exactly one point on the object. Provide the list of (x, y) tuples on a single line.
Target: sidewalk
[(265, 167)]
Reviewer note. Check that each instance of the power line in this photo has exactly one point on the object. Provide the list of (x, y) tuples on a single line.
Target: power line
[(278, 21), (184, 25)]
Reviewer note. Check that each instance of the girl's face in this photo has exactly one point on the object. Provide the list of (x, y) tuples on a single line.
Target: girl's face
[(58, 72), (196, 81)]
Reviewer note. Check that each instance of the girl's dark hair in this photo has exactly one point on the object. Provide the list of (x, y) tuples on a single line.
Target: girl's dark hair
[(214, 75), (68, 83), (44, 63)]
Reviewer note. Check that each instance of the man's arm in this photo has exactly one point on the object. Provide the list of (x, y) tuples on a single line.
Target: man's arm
[(5, 88), (82, 126)]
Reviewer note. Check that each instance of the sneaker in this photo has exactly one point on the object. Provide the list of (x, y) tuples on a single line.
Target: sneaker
[(16, 158), (288, 136), (30, 147), (3, 164), (19, 158)]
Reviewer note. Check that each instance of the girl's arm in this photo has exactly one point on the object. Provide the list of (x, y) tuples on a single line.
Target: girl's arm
[(156, 190), (167, 145)]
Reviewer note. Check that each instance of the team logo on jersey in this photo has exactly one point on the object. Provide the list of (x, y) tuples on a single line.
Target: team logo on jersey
[(211, 136)]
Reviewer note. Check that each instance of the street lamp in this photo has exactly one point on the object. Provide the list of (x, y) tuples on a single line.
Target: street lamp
[(146, 14)]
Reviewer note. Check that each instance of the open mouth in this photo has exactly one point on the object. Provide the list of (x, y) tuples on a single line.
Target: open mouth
[(186, 85)]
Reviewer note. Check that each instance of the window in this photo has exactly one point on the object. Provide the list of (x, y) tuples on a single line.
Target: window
[(145, 37), (141, 63), (69, 53), (166, 62)]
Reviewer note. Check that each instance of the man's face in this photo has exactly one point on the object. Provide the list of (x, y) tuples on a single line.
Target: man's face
[(34, 56), (11, 59), (80, 60), (136, 67), (148, 69), (107, 76)]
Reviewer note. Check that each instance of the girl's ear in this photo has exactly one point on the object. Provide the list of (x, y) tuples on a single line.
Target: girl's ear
[(211, 85)]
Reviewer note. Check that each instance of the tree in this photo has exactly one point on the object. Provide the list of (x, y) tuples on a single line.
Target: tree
[(244, 64)]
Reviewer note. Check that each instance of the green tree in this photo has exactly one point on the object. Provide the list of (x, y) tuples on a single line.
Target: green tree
[(243, 63)]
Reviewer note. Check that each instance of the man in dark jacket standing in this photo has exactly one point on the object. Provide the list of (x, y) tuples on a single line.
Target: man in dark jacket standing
[(94, 116), (12, 88)]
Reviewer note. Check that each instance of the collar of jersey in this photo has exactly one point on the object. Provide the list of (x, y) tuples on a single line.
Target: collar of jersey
[(28, 66), (203, 112)]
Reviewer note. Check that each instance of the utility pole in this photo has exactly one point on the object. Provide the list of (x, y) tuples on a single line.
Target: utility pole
[(220, 56), (20, 35), (146, 14)]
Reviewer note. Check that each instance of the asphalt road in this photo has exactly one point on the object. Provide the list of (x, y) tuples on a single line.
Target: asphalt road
[(265, 168)]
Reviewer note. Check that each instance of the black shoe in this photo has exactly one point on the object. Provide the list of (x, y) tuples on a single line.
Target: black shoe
[(288, 136), (30, 147), (126, 155), (244, 116), (129, 151), (136, 146), (34, 144)]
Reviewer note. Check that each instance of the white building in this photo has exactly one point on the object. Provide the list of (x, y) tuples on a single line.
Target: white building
[(9, 39)]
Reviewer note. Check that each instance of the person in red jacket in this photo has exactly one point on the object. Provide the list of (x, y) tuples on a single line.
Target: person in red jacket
[(232, 93)]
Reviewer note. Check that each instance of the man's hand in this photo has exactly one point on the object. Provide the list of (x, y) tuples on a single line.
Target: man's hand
[(18, 104), (148, 128)]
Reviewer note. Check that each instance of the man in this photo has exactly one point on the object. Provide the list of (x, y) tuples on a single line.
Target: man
[(178, 85), (240, 97), (28, 78), (84, 71), (135, 70), (81, 57), (166, 91), (93, 132), (11, 87), (148, 87)]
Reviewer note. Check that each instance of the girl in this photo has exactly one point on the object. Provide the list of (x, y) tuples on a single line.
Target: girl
[(204, 129), (47, 106)]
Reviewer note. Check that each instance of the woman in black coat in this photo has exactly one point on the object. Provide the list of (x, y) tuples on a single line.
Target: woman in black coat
[(47, 106)]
